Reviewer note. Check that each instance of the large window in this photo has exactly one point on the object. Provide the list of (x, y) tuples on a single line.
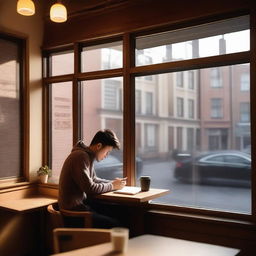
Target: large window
[(191, 115), (97, 104), (204, 162), (12, 106)]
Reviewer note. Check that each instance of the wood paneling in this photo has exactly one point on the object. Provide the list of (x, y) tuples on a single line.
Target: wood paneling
[(135, 16), (220, 232)]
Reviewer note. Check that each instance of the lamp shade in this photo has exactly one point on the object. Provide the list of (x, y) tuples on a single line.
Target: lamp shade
[(58, 13), (26, 7)]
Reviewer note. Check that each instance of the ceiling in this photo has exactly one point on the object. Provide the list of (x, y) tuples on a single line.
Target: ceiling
[(76, 7)]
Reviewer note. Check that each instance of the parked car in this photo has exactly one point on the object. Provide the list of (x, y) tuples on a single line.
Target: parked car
[(219, 167), (112, 167)]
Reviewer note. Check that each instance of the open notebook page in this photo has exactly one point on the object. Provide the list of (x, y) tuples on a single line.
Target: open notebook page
[(128, 190)]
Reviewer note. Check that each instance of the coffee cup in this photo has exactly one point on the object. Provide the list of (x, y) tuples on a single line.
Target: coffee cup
[(145, 183), (119, 239)]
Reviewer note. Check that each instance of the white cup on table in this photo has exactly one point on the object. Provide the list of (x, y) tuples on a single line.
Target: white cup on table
[(119, 239)]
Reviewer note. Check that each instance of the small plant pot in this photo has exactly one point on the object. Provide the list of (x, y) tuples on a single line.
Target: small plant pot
[(43, 178)]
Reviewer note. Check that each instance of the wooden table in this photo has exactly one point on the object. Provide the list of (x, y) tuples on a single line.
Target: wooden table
[(26, 204), (137, 205), (140, 197), (152, 245)]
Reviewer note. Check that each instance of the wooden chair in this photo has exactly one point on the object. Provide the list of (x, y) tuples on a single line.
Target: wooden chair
[(66, 239), (58, 216), (55, 216)]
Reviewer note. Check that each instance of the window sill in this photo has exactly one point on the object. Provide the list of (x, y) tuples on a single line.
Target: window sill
[(201, 218), (10, 186)]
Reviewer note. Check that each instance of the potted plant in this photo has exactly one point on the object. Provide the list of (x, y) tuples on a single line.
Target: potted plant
[(43, 173)]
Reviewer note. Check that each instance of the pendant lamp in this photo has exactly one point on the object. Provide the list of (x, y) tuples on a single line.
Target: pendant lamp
[(26, 7), (58, 13)]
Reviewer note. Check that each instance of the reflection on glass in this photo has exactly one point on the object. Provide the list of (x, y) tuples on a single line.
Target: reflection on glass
[(62, 126), (197, 142), (10, 128), (102, 108), (217, 38), (102, 57), (62, 63)]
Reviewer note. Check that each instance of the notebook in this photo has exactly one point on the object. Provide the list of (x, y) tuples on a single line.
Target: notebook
[(128, 190)]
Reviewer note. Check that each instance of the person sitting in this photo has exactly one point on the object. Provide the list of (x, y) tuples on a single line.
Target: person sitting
[(79, 182)]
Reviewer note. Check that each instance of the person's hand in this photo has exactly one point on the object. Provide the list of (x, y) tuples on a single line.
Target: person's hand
[(119, 183)]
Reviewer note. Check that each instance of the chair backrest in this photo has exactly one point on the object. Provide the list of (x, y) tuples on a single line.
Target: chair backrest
[(72, 218), (67, 239), (55, 216)]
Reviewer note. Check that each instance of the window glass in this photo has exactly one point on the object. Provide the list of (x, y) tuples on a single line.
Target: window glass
[(244, 112), (104, 111), (62, 63), (216, 108), (245, 82), (10, 113), (191, 79), (180, 110), (61, 128), (215, 77), (102, 57), (191, 111), (187, 155), (216, 38)]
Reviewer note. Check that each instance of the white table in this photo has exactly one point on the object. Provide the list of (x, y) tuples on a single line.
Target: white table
[(152, 245)]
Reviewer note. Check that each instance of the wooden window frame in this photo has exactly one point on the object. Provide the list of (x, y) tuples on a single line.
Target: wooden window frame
[(130, 71), (23, 45)]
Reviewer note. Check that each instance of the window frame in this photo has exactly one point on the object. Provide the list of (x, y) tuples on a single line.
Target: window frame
[(23, 48), (130, 72)]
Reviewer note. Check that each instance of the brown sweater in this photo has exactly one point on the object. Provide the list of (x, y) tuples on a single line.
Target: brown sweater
[(78, 178)]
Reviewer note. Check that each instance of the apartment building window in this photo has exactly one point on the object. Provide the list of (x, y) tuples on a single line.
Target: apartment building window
[(216, 108), (179, 79), (179, 139), (215, 78), (245, 82), (150, 137), (191, 77), (112, 94), (244, 112), (190, 139), (180, 107), (191, 109), (13, 108), (138, 101), (149, 103)]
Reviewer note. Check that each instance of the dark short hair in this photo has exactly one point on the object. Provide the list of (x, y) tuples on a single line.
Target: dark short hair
[(106, 138)]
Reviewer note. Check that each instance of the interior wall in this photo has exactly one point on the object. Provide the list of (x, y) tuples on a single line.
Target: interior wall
[(13, 240), (32, 28)]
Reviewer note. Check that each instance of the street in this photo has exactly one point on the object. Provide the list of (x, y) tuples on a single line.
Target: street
[(223, 198)]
